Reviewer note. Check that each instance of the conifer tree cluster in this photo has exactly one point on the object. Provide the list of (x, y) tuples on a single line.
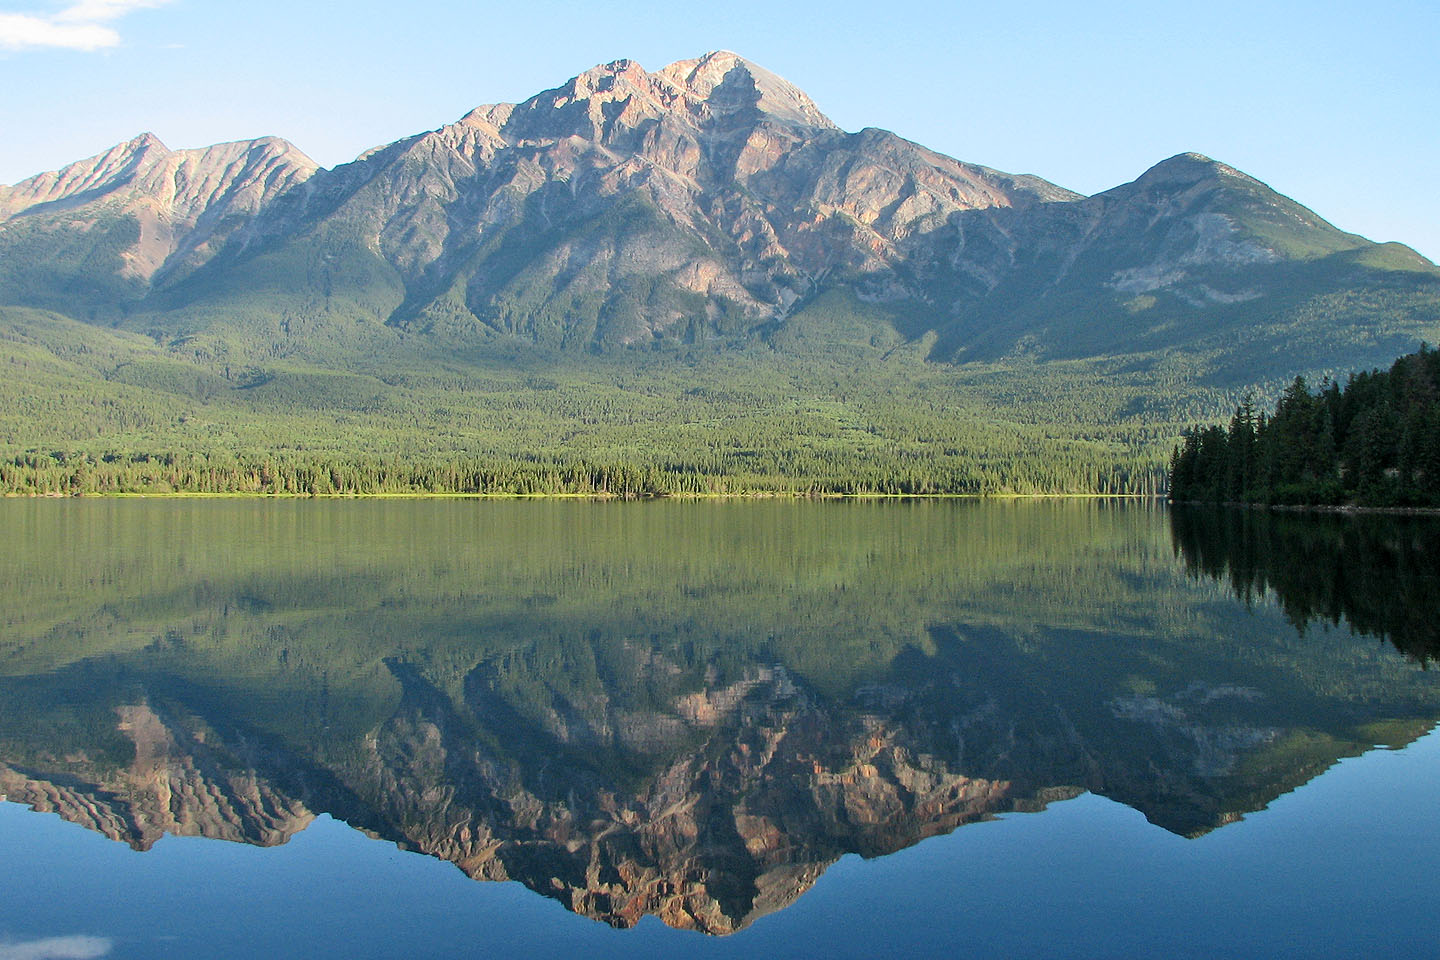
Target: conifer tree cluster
[(1373, 442), (786, 473)]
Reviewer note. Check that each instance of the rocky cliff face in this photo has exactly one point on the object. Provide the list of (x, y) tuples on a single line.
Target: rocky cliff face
[(184, 201), (708, 196)]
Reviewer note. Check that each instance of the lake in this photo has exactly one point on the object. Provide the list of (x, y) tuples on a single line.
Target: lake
[(448, 728)]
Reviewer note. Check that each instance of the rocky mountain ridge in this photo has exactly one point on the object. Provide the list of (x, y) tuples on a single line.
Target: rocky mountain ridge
[(184, 204), (710, 199)]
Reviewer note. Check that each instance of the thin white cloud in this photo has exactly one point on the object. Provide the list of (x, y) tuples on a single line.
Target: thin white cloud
[(57, 948), (80, 26), (99, 11), (19, 31)]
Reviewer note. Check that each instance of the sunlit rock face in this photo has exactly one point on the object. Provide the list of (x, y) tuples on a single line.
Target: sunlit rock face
[(714, 184), (708, 200), (175, 208)]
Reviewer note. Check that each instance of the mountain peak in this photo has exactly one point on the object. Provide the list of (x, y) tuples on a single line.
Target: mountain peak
[(118, 164), (728, 81), (144, 141), (1189, 168), (602, 77), (611, 101)]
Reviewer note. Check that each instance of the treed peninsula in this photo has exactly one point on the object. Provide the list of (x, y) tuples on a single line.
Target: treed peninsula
[(689, 281), (1373, 442)]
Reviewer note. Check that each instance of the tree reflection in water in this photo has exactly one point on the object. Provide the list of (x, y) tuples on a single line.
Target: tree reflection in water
[(1378, 574)]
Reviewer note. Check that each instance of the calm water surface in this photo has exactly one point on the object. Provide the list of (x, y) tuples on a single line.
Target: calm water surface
[(698, 729)]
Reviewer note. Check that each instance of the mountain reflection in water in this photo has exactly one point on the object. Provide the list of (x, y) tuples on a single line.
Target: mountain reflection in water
[(680, 709)]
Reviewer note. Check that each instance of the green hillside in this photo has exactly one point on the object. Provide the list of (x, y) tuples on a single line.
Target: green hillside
[(868, 414)]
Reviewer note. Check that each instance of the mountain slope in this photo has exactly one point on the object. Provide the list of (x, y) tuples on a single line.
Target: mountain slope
[(105, 228), (1196, 255), (710, 199), (834, 304)]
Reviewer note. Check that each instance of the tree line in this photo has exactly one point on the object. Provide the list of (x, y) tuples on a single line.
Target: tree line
[(302, 473), (1373, 442)]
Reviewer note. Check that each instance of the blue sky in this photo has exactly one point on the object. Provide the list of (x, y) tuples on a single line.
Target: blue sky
[(1335, 104)]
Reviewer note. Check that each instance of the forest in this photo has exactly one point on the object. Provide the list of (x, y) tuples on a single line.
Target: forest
[(844, 408), (1373, 442), (85, 410), (798, 474)]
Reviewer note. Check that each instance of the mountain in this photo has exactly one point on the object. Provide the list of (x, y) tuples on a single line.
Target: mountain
[(1193, 255), (709, 198), (112, 226), (704, 212)]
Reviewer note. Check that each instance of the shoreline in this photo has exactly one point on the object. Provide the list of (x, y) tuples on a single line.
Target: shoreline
[(1332, 509), (605, 497)]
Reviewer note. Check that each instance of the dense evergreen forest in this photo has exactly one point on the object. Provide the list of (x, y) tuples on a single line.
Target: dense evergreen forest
[(1373, 442), (305, 474), (85, 410)]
